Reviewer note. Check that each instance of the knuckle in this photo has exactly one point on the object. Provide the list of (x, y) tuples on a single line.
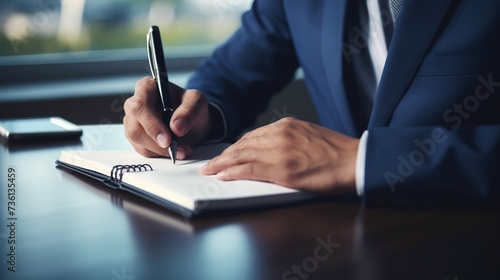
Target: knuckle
[(237, 153), (240, 144), (186, 111), (250, 170), (144, 83), (196, 94), (195, 101), (281, 127), (232, 153), (287, 120), (286, 123), (134, 106), (283, 138), (246, 135), (239, 149)]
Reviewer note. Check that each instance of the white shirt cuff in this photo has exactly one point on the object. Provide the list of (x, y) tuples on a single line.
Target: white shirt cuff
[(360, 164)]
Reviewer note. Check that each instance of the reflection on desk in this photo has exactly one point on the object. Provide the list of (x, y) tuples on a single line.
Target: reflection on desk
[(71, 227)]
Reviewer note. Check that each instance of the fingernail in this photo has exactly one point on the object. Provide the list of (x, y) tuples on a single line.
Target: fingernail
[(161, 140), (221, 176), (182, 126)]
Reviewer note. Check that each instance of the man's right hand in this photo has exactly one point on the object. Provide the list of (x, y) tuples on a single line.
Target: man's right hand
[(147, 133)]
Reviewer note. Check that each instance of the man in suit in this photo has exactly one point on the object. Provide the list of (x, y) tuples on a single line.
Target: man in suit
[(408, 98)]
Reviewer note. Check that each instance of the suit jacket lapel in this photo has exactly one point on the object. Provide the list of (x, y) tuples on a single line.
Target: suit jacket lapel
[(416, 27)]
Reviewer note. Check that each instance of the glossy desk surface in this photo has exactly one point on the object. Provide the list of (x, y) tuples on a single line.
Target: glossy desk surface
[(71, 227)]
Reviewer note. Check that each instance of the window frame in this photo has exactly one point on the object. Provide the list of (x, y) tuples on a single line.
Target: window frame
[(44, 68)]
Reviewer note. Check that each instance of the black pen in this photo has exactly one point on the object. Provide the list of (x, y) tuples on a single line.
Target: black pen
[(159, 72)]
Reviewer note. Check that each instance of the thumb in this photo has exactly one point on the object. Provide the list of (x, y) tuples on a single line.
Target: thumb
[(191, 115)]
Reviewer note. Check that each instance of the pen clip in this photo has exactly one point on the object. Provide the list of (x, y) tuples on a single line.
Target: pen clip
[(157, 65), (151, 53)]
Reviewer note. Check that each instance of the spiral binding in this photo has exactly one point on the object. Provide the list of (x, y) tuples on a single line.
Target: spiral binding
[(118, 171)]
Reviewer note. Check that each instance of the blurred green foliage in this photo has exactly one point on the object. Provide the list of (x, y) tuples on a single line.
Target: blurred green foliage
[(190, 28), (115, 37)]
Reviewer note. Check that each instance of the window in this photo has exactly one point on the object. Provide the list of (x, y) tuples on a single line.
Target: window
[(72, 57), (55, 26), (80, 59)]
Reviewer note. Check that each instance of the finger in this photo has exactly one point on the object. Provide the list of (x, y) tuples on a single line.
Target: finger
[(248, 171), (184, 151), (141, 142), (239, 153), (145, 146), (193, 105), (143, 108)]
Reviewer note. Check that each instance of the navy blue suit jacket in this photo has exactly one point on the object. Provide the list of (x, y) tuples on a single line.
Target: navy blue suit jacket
[(435, 124)]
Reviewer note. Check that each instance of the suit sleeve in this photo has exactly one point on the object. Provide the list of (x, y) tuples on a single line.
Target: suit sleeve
[(257, 61), (434, 162)]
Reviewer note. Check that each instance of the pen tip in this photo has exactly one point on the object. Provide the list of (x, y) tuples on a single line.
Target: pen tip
[(172, 151)]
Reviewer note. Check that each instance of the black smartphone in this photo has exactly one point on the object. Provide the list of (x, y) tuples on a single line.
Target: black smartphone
[(45, 128)]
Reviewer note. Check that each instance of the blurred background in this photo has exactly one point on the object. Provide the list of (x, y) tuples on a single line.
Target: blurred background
[(80, 59), (54, 26)]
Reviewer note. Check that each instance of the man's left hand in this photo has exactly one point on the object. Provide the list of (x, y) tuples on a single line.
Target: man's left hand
[(292, 153)]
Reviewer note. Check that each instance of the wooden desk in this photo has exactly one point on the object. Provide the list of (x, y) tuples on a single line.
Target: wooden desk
[(70, 227)]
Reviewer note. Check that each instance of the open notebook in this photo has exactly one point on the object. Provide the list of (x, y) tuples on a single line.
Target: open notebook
[(181, 187)]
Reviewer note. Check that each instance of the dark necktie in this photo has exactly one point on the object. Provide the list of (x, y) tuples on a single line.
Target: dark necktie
[(396, 7), (358, 73)]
